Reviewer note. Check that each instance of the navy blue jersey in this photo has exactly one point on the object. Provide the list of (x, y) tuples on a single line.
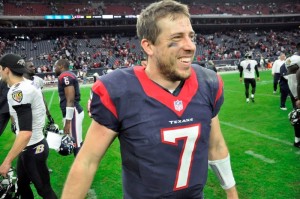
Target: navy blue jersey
[(164, 138), (66, 79)]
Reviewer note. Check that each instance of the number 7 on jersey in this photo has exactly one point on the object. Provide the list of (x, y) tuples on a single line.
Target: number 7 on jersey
[(190, 135)]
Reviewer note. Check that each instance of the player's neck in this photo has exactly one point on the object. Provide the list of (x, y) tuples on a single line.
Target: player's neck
[(159, 79), (14, 80)]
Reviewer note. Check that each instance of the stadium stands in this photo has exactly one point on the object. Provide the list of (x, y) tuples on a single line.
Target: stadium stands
[(32, 8)]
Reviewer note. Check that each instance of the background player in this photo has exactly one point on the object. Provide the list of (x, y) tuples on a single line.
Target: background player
[(39, 82), (293, 64), (248, 68), (69, 94), (165, 116), (27, 108), (276, 70)]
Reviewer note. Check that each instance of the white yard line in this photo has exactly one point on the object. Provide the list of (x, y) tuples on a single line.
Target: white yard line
[(257, 133), (51, 100), (261, 157), (257, 94)]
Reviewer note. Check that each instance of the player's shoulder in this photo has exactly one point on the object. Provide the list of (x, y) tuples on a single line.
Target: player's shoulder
[(117, 75), (115, 81), (254, 61), (26, 86), (22, 91), (37, 78), (68, 74), (293, 60), (206, 76)]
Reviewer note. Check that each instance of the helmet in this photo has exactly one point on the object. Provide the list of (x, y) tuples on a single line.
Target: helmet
[(66, 146), (8, 186), (248, 55), (294, 116)]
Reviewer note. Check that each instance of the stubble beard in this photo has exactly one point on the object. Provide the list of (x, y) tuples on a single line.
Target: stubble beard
[(170, 73)]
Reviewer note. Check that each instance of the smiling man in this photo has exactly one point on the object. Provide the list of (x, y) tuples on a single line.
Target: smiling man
[(160, 159)]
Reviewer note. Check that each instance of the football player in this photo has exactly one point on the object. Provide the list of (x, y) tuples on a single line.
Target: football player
[(248, 68), (293, 75), (276, 70), (165, 116), (27, 108), (69, 94), (39, 82)]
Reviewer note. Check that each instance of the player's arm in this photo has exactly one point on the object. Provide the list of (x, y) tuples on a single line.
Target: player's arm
[(298, 88), (70, 97), (219, 159), (51, 120), (97, 140), (241, 72), (273, 68), (257, 72), (25, 125)]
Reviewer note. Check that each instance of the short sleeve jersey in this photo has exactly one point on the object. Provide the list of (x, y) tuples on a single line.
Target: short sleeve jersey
[(66, 79), (24, 93), (39, 82), (248, 66), (164, 138)]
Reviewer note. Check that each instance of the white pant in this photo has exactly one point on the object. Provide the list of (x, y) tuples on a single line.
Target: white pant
[(76, 127)]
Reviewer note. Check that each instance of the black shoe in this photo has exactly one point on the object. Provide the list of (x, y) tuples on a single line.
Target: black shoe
[(297, 144), (252, 99)]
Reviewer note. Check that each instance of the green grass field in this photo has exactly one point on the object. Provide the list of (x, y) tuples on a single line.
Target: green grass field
[(259, 136)]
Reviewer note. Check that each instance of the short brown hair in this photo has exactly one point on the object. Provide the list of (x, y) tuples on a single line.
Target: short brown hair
[(147, 22)]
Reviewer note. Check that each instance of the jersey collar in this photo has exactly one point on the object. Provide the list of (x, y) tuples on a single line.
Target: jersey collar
[(178, 103)]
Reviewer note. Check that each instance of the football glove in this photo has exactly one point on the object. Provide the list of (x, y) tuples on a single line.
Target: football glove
[(51, 120)]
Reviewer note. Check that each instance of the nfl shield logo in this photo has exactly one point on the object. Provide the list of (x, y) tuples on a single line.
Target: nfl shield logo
[(178, 105)]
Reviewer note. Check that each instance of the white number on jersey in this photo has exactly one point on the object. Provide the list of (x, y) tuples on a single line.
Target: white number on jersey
[(66, 80), (190, 135)]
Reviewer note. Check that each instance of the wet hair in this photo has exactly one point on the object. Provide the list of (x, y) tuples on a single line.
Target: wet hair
[(147, 21)]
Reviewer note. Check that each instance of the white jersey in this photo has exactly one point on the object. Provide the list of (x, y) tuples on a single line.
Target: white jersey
[(26, 92), (276, 66), (39, 82), (248, 66), (292, 80)]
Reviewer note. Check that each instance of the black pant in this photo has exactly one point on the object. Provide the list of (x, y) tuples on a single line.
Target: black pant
[(297, 130), (284, 93), (276, 81), (32, 167), (248, 82), (4, 118)]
